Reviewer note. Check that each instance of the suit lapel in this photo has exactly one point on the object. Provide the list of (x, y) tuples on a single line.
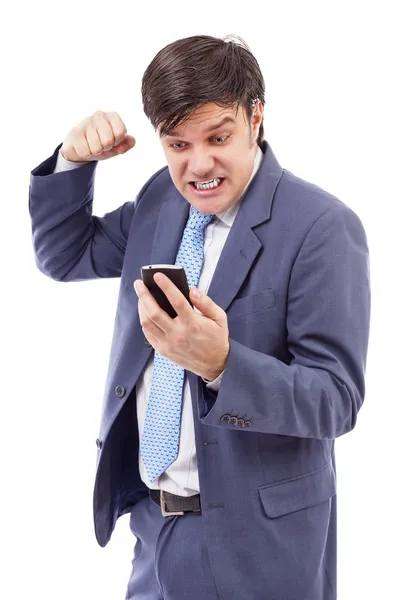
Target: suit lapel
[(242, 245), (238, 254)]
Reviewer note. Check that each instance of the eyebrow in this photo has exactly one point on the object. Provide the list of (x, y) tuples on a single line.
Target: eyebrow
[(211, 128)]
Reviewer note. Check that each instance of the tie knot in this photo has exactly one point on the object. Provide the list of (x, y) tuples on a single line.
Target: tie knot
[(198, 220)]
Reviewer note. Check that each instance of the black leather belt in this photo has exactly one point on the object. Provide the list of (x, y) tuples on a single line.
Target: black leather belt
[(172, 505)]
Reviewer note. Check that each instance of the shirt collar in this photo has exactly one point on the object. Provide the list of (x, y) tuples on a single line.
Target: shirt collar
[(228, 216)]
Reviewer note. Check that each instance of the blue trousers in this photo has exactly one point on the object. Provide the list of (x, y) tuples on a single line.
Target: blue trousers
[(171, 559)]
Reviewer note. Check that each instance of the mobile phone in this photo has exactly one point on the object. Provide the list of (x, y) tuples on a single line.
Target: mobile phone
[(176, 273)]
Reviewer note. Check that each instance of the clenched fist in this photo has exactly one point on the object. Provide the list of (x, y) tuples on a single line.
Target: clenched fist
[(101, 136)]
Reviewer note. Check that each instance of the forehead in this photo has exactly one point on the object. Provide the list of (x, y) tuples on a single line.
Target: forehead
[(206, 118)]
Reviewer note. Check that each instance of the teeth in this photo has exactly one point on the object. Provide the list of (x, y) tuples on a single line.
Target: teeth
[(208, 185)]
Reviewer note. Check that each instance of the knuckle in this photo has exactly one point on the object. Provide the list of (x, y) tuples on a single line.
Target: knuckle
[(145, 322), (120, 130), (107, 143), (119, 137), (97, 150), (195, 328), (179, 304), (153, 315), (222, 314), (180, 340)]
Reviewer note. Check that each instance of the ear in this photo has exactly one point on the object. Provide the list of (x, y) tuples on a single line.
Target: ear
[(256, 118)]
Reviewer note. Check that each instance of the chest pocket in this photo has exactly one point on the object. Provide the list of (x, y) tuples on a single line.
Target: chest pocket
[(249, 305)]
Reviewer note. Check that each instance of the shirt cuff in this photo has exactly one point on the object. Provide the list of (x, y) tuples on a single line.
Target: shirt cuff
[(66, 165), (214, 385)]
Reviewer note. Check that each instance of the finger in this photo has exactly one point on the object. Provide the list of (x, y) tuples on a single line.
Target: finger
[(93, 140), (175, 296), (153, 311), (117, 125), (147, 324), (104, 130), (208, 307), (80, 144)]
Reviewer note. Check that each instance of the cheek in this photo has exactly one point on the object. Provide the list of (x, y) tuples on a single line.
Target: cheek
[(176, 170), (238, 171)]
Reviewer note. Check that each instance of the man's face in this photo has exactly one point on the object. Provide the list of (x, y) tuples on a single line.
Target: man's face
[(214, 143)]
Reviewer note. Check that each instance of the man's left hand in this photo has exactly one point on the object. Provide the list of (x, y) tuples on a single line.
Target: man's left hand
[(196, 342)]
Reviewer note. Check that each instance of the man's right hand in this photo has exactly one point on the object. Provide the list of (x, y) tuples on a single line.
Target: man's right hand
[(101, 136)]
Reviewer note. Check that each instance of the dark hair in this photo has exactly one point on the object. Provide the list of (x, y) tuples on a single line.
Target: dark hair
[(193, 71)]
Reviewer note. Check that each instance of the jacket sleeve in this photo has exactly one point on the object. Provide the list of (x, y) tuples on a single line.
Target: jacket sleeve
[(319, 393), (70, 244)]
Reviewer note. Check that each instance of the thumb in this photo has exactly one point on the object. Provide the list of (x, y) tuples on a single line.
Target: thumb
[(209, 309), (127, 144)]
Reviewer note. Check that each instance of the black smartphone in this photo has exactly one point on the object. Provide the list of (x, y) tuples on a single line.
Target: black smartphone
[(176, 273)]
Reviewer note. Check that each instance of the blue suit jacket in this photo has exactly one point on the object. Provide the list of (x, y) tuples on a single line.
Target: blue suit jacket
[(293, 278)]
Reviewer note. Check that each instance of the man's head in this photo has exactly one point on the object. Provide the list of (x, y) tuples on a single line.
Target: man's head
[(205, 97)]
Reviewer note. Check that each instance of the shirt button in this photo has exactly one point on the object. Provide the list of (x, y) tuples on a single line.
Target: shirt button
[(99, 443), (120, 391)]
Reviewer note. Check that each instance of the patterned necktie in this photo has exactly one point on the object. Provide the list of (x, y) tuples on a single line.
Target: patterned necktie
[(161, 432)]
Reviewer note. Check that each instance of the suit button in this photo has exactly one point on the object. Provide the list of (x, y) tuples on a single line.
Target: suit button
[(226, 419), (120, 391), (246, 424), (99, 443), (240, 423), (233, 421)]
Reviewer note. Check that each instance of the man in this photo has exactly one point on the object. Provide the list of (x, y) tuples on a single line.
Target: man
[(218, 426)]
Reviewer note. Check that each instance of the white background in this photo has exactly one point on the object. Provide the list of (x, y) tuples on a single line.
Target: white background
[(331, 117)]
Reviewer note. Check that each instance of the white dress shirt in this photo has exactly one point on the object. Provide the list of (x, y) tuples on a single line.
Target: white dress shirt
[(181, 477)]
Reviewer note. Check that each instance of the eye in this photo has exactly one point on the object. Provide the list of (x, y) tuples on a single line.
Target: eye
[(217, 140), (175, 146), (220, 140)]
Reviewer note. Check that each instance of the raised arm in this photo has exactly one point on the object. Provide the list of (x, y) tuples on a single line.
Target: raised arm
[(70, 244)]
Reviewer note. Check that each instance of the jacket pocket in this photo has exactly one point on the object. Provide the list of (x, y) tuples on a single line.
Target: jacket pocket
[(252, 304), (286, 497)]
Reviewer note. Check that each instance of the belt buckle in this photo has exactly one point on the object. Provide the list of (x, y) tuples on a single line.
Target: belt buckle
[(164, 511)]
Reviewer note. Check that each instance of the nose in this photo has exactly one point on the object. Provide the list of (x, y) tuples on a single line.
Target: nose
[(201, 164)]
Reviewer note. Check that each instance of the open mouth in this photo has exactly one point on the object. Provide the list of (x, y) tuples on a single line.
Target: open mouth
[(209, 185)]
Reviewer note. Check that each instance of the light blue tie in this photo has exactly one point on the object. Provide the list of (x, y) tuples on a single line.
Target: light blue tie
[(161, 432)]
